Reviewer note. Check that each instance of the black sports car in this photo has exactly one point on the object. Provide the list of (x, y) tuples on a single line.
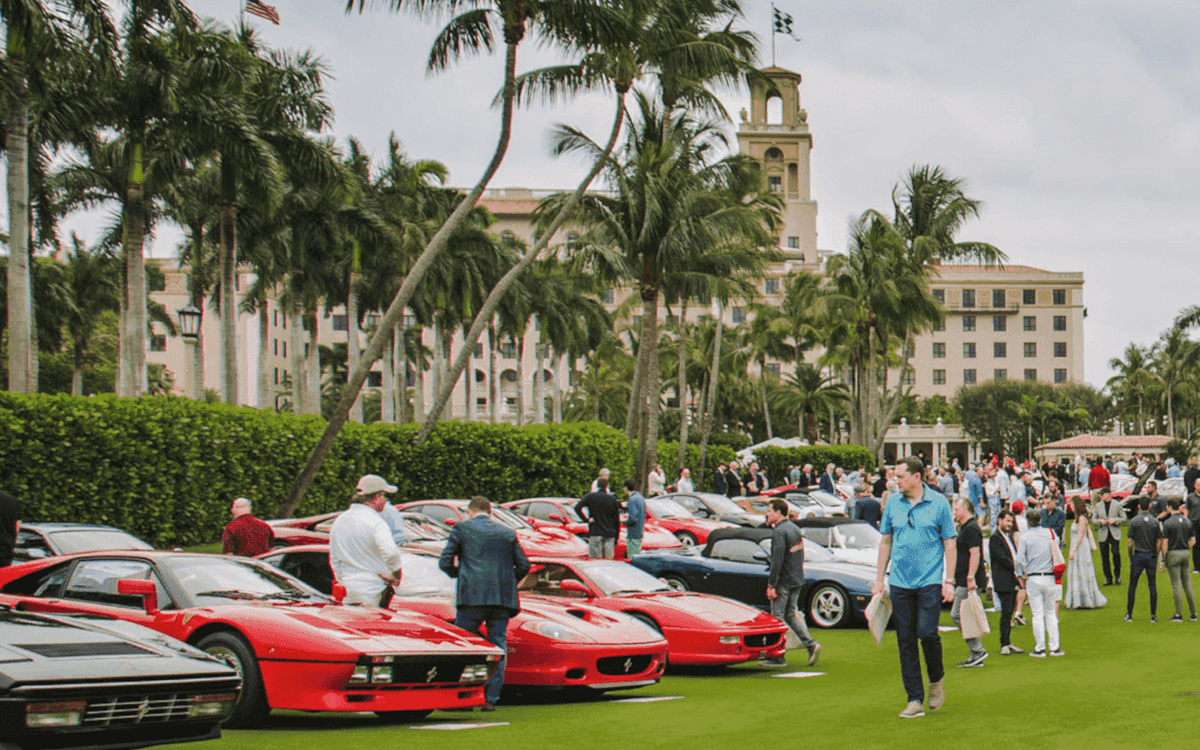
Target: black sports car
[(75, 682)]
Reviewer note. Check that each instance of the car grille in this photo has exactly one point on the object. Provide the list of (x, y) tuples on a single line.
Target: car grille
[(429, 671), (619, 665), (137, 709), (761, 640)]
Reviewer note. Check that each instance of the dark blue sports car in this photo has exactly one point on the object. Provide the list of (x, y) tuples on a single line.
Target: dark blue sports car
[(734, 564)]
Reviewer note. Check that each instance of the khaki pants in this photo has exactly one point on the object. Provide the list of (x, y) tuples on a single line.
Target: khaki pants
[(1178, 561)]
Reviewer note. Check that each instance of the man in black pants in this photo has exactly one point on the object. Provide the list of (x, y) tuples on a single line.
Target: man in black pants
[(1193, 514), (1108, 514), (1146, 544), (1004, 578), (10, 522)]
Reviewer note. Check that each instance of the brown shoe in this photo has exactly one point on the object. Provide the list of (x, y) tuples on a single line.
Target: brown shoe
[(937, 695), (489, 706)]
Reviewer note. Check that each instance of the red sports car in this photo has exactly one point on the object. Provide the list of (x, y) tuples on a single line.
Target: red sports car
[(678, 520), (699, 628), (546, 542), (551, 643), (293, 647), (423, 531), (559, 513)]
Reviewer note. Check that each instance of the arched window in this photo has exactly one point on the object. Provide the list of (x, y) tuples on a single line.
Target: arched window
[(773, 154), (774, 110)]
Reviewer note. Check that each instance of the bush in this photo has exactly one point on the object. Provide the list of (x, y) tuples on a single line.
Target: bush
[(166, 469), (776, 460)]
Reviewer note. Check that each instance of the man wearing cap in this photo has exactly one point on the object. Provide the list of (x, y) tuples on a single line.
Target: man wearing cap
[(362, 552), (245, 535)]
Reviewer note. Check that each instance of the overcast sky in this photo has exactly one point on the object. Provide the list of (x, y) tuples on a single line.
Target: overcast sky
[(1076, 123)]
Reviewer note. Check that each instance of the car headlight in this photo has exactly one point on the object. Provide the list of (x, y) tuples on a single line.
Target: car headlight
[(54, 714), (204, 706), (555, 631), (730, 639)]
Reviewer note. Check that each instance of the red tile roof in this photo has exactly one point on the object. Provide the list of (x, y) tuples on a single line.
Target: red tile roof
[(1106, 442)]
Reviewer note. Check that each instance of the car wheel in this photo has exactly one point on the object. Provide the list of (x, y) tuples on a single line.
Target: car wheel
[(402, 717), (650, 621), (251, 707), (676, 582), (686, 538), (829, 606)]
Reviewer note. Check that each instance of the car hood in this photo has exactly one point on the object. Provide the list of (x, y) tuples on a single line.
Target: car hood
[(713, 610), (537, 543)]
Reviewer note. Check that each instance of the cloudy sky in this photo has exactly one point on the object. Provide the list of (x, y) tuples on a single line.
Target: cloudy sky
[(1076, 123)]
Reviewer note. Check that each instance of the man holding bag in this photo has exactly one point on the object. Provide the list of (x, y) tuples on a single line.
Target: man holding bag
[(970, 576)]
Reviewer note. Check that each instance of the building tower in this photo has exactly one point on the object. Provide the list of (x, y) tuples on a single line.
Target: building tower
[(775, 131)]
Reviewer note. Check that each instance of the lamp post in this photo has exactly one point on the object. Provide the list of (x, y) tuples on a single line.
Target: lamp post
[(189, 328)]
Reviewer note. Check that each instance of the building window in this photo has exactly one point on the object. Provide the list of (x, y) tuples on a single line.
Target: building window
[(739, 315), (909, 377), (275, 347), (999, 349), (276, 376), (374, 379), (939, 350), (968, 298), (775, 182), (773, 369), (508, 349), (1031, 375), (306, 349), (939, 377), (285, 349), (1060, 348), (510, 405), (999, 323), (940, 295), (968, 322), (910, 349), (940, 325), (1028, 296), (968, 377), (1029, 322), (1000, 374), (1060, 375), (339, 322), (1060, 296), (1030, 348), (158, 342), (1060, 322), (606, 297), (478, 350), (793, 243), (770, 286), (998, 298), (285, 321), (275, 318), (969, 350)]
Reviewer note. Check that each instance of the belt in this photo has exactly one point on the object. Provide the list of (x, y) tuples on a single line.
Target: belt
[(1039, 574)]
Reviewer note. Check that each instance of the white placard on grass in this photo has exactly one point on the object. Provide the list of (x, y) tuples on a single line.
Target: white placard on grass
[(800, 674), (471, 725), (650, 699)]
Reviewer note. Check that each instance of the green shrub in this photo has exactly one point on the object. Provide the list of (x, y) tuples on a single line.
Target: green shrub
[(166, 469), (776, 460)]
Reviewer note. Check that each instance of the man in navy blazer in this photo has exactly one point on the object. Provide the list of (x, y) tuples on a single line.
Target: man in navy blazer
[(490, 564)]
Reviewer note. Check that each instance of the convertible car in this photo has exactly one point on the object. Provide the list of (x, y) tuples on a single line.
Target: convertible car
[(715, 507), (293, 647), (699, 628), (544, 542), (846, 539), (39, 540), (690, 530), (551, 644), (734, 564), (70, 682), (559, 513)]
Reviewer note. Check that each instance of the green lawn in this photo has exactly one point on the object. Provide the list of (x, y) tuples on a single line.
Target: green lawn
[(1120, 685)]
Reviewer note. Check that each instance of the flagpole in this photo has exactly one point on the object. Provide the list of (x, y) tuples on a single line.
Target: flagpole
[(773, 11)]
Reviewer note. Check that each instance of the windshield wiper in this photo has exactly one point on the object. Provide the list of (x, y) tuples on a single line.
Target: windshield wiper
[(233, 594), (633, 591)]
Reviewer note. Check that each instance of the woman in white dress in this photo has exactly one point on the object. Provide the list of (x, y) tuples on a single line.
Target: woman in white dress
[(1082, 590)]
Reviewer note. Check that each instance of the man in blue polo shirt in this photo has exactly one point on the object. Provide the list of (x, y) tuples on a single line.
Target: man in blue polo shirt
[(918, 540)]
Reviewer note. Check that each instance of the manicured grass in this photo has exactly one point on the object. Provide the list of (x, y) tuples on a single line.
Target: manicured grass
[(1120, 685)]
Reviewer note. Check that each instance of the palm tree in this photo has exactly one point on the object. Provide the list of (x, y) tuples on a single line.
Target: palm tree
[(807, 393), (767, 338), (94, 284), (1134, 380)]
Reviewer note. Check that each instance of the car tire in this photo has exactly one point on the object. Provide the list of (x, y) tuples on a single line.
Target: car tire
[(650, 621), (231, 648), (686, 538), (829, 606), (402, 717), (676, 582)]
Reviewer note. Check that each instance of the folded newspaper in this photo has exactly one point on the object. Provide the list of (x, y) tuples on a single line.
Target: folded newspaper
[(879, 612)]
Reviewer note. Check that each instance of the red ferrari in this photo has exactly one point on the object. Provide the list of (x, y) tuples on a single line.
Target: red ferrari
[(551, 643), (292, 647), (678, 520), (699, 628), (559, 513), (545, 542), (423, 531)]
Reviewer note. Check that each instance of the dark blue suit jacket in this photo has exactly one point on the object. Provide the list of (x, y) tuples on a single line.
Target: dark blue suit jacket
[(490, 564)]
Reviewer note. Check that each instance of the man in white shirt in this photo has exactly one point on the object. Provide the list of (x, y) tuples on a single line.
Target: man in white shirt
[(362, 553), (685, 481)]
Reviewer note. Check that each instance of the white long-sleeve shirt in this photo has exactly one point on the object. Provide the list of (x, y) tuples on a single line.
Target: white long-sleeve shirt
[(361, 549)]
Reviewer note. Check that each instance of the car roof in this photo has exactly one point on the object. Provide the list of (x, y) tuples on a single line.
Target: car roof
[(753, 534), (62, 526)]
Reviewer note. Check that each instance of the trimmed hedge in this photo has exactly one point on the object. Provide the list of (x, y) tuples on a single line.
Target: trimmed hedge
[(776, 460), (166, 469)]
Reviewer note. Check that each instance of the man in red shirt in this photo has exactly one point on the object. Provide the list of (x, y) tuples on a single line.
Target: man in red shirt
[(1098, 479), (245, 535)]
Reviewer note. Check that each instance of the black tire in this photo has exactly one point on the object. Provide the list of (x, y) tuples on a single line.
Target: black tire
[(251, 707), (829, 606), (647, 619), (402, 717), (686, 538), (675, 581)]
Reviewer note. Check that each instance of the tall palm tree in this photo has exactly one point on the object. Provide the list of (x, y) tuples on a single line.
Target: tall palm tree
[(1133, 381), (94, 284), (767, 338), (807, 393)]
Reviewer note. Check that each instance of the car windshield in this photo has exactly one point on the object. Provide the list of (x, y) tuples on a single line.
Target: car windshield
[(571, 515), (509, 519), (94, 540), (424, 529), (621, 578), (824, 498), (217, 581), (666, 508), (721, 504), (857, 536), (423, 576)]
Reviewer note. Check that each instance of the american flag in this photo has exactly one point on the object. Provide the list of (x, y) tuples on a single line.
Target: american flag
[(262, 10)]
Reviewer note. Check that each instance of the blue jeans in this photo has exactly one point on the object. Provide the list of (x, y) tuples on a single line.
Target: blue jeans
[(1142, 561), (916, 613), (496, 618), (993, 512), (783, 606)]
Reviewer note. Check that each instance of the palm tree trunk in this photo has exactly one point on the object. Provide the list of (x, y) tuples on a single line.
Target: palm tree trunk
[(681, 389), (387, 404), (133, 222), (521, 381), (296, 337), (403, 295), (762, 376), (436, 372), (648, 392), (419, 413), (77, 370), (352, 351), (880, 435), (493, 375), (557, 395), (400, 347), (539, 382), (484, 316), (229, 304), (20, 295), (469, 382), (631, 420), (710, 405), (265, 395), (312, 365)]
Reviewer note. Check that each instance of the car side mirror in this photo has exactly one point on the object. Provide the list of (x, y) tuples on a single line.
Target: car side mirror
[(36, 554), (338, 592), (144, 589), (576, 586), (450, 521), (556, 517), (761, 556)]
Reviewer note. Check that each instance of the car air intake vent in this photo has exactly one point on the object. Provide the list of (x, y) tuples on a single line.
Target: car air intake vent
[(762, 639), (137, 709), (75, 650), (581, 614), (429, 670), (615, 665)]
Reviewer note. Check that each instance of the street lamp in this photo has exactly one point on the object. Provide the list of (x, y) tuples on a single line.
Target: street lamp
[(189, 328)]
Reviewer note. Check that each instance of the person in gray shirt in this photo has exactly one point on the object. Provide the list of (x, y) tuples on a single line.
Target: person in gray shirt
[(786, 578)]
